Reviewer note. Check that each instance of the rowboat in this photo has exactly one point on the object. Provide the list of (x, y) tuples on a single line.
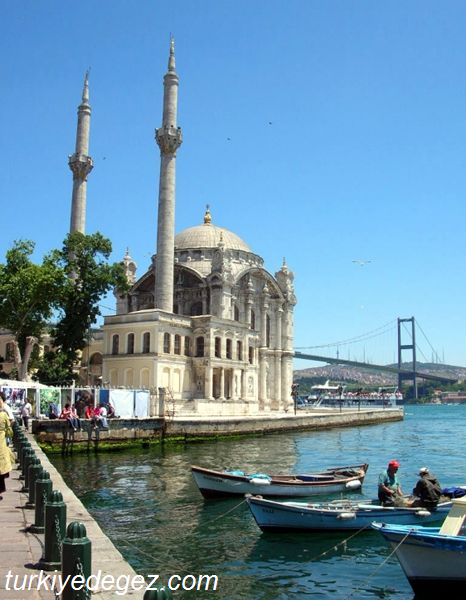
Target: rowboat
[(339, 515), (215, 484), (432, 558)]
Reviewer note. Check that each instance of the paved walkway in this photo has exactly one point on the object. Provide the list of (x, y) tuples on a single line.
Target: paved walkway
[(19, 550)]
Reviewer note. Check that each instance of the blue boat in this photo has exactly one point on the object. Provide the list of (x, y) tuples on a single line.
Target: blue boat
[(432, 558), (338, 515)]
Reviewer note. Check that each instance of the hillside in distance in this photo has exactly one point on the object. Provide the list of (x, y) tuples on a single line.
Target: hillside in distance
[(374, 378)]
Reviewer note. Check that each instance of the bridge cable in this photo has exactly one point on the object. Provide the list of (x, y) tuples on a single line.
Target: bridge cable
[(435, 353), (360, 338)]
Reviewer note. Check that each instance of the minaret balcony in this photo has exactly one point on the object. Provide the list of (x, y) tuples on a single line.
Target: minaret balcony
[(81, 165), (168, 138)]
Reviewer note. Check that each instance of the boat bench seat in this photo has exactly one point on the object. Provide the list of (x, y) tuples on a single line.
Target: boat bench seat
[(314, 477)]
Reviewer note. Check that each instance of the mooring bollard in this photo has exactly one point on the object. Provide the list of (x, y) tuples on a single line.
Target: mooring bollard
[(32, 462), (34, 472), (162, 593), (76, 560), (29, 455), (24, 448), (18, 439), (42, 494), (55, 525)]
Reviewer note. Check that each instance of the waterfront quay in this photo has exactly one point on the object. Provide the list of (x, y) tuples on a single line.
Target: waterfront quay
[(21, 550), (138, 431)]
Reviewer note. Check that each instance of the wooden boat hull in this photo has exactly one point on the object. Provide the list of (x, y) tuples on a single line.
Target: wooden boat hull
[(335, 516), (217, 484), (430, 561)]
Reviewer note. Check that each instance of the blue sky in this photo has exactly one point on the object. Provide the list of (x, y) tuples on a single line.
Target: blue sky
[(347, 127)]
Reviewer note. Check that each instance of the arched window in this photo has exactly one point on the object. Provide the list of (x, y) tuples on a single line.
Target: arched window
[(218, 347), (130, 344), (187, 346), (115, 344), (200, 346), (166, 343), (129, 377), (236, 313), (177, 344), (144, 378), (251, 355), (146, 343), (239, 350), (228, 349), (253, 319)]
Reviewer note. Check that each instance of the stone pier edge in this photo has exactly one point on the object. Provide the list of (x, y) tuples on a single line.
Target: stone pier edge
[(105, 556)]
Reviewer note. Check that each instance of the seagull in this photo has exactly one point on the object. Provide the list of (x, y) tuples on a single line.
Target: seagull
[(361, 262), (229, 139), (270, 122)]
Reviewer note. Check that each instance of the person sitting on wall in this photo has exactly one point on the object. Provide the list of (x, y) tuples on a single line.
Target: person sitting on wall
[(110, 411), (70, 415), (53, 411), (100, 415)]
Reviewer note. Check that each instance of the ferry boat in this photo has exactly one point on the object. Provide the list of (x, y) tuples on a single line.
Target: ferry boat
[(335, 395)]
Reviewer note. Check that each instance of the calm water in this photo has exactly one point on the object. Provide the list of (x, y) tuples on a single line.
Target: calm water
[(149, 506)]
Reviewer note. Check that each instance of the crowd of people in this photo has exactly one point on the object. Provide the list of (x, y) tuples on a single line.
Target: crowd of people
[(83, 409)]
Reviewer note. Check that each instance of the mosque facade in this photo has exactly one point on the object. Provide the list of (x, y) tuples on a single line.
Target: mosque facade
[(206, 327), (206, 324)]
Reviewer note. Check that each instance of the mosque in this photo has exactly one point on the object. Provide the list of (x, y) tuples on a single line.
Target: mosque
[(206, 326)]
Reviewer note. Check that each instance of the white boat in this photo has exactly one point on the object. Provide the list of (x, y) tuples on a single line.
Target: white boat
[(214, 484), (336, 395), (339, 515), (433, 559)]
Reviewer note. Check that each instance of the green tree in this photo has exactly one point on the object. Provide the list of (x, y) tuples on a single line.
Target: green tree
[(29, 294), (84, 259)]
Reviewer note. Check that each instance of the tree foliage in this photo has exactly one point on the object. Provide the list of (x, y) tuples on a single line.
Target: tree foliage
[(29, 294), (65, 288), (84, 259)]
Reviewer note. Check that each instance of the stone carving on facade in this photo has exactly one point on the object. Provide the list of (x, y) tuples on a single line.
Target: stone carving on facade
[(285, 279)]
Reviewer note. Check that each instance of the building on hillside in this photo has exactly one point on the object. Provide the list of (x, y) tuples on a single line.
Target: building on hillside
[(206, 324)]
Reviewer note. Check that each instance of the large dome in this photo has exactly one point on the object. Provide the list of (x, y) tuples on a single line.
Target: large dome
[(208, 236)]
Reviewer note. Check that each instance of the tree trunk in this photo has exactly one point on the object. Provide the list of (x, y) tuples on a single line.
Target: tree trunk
[(18, 359), (22, 363)]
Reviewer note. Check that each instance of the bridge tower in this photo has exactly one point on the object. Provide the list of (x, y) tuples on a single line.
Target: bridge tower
[(410, 375)]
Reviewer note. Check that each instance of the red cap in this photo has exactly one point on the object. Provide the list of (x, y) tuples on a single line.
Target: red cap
[(394, 463)]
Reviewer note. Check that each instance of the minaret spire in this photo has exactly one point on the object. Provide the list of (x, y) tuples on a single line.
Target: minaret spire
[(80, 163), (169, 139)]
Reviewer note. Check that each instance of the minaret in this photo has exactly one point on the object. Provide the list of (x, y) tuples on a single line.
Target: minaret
[(80, 163), (168, 138)]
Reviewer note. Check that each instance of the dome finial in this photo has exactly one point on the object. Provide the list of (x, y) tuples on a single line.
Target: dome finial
[(207, 216)]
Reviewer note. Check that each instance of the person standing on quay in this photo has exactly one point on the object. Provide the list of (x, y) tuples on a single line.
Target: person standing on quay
[(26, 410), (5, 452)]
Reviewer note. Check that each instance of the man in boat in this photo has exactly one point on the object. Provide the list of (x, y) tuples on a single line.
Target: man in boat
[(389, 492), (427, 491)]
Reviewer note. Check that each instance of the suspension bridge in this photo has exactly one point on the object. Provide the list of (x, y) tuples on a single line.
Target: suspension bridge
[(406, 343)]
